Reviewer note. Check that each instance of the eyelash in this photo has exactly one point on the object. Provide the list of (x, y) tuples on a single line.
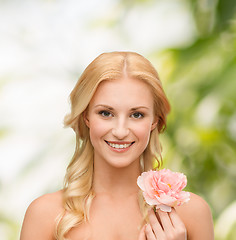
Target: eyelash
[(104, 111), (107, 114), (141, 115)]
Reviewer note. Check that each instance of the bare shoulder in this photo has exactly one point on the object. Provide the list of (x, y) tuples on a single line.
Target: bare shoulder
[(40, 217), (197, 217)]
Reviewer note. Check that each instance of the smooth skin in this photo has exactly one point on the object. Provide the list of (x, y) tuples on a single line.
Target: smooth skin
[(121, 111)]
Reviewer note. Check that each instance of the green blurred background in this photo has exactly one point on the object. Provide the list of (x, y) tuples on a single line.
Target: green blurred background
[(45, 45)]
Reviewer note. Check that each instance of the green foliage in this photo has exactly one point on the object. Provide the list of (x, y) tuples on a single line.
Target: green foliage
[(201, 82)]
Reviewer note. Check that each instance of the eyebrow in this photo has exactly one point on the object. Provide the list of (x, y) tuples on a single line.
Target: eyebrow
[(111, 108)]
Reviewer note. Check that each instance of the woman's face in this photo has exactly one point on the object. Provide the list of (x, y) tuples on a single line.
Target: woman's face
[(120, 118)]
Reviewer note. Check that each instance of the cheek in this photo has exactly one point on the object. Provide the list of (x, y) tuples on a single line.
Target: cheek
[(143, 132), (97, 129)]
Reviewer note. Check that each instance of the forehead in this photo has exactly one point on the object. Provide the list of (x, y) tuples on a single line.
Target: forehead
[(125, 91)]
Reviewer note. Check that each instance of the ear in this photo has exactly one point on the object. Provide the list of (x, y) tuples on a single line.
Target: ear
[(86, 119), (154, 124)]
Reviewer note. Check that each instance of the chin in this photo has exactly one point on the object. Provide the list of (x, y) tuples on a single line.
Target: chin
[(123, 164)]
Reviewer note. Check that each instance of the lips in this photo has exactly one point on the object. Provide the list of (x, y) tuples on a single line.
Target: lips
[(119, 145)]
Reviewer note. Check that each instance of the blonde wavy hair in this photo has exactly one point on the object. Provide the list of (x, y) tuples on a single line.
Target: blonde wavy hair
[(78, 191)]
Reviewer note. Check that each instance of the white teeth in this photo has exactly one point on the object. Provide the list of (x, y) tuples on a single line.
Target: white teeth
[(118, 146)]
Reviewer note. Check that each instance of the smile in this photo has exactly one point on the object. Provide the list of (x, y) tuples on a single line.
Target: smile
[(119, 146)]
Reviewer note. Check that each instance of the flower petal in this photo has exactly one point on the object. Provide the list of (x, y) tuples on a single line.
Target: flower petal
[(163, 187), (164, 208), (140, 182)]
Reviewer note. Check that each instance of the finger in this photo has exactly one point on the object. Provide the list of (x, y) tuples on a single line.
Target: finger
[(175, 219), (165, 220), (142, 235), (149, 233), (155, 224)]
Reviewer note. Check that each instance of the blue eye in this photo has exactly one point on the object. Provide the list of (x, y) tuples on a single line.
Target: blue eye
[(137, 115), (104, 113)]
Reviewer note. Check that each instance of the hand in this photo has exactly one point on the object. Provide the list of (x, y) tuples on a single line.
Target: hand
[(163, 226)]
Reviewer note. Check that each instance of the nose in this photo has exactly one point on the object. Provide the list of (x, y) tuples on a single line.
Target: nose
[(120, 129)]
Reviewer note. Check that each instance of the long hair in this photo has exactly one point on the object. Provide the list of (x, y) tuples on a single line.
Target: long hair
[(78, 192)]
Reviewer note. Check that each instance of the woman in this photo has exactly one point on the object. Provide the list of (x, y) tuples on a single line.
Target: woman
[(118, 109)]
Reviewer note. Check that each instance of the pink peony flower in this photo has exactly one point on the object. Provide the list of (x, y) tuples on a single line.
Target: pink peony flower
[(163, 188)]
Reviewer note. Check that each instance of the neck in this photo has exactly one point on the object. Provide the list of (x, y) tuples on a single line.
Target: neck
[(116, 181)]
